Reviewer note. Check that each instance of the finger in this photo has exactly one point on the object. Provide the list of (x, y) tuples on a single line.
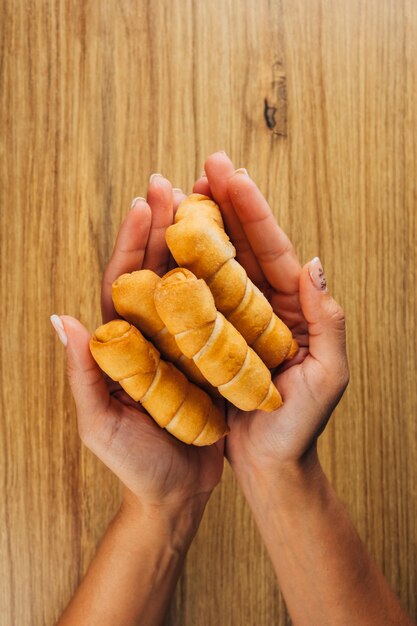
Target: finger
[(269, 243), (179, 196), (287, 306), (325, 319), (128, 252), (160, 199), (202, 186), (88, 387), (219, 168)]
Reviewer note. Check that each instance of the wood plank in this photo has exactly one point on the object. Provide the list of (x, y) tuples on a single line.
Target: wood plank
[(318, 99)]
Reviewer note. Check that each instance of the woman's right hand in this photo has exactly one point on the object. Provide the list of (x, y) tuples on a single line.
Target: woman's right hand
[(160, 471)]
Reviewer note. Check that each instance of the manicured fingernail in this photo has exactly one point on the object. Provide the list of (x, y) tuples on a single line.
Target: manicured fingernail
[(177, 190), (153, 177), (59, 327), (137, 199), (241, 170), (317, 274)]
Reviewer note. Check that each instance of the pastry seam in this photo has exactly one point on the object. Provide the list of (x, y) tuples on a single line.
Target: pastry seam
[(268, 392), (211, 278), (271, 323), (176, 412), (153, 383), (245, 298), (218, 325), (205, 424)]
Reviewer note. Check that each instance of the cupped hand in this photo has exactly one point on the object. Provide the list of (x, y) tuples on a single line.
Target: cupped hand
[(312, 383), (155, 467)]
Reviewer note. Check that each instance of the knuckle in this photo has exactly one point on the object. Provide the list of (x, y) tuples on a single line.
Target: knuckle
[(274, 254), (340, 377), (71, 370), (336, 316)]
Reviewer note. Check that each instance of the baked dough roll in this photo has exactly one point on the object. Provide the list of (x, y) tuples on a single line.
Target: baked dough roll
[(198, 242), (184, 409), (133, 299), (186, 306), (203, 204)]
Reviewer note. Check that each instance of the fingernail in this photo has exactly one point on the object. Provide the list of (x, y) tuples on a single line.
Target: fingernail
[(137, 199), (59, 327), (241, 170), (177, 190), (317, 274), (154, 176), (203, 174), (221, 151)]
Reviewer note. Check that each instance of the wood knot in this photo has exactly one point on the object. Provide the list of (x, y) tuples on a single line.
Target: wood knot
[(275, 102)]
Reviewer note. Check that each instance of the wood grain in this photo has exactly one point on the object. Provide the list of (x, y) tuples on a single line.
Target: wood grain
[(318, 99)]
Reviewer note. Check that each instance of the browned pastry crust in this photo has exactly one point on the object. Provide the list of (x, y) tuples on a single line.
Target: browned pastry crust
[(184, 409), (186, 306), (199, 243), (133, 299)]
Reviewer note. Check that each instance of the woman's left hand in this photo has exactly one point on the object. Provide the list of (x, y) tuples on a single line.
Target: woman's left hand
[(312, 383)]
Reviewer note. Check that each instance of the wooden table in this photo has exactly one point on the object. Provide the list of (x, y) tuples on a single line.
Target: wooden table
[(318, 99)]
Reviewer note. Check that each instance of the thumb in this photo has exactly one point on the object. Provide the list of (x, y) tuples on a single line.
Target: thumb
[(85, 377), (324, 316)]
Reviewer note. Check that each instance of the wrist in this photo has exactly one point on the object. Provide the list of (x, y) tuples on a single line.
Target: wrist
[(282, 483), (134, 573), (176, 520)]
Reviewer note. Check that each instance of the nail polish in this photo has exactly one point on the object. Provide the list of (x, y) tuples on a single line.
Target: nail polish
[(242, 170), (137, 199), (59, 327), (154, 176), (317, 274)]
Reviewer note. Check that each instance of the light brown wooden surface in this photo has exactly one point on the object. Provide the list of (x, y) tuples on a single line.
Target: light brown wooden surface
[(97, 95)]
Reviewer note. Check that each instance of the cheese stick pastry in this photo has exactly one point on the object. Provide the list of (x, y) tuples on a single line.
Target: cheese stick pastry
[(186, 306), (184, 409), (133, 299), (198, 242)]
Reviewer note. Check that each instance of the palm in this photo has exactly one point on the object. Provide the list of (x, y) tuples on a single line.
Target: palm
[(150, 462), (273, 433)]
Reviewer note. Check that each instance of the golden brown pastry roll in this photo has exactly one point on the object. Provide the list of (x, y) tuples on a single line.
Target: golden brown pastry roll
[(186, 306), (133, 299), (198, 242), (184, 409), (203, 204)]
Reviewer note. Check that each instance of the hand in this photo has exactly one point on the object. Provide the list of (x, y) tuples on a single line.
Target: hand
[(313, 382), (156, 468)]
